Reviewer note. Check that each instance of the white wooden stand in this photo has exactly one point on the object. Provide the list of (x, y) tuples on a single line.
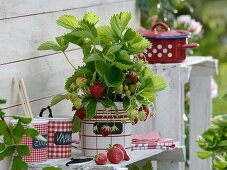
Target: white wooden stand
[(169, 117)]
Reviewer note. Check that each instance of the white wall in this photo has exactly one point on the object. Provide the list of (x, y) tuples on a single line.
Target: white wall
[(24, 24)]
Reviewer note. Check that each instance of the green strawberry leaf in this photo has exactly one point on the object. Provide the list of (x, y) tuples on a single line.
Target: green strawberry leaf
[(18, 163), (123, 65), (107, 102), (31, 132), (126, 103), (129, 34), (8, 139), (148, 95), (62, 43), (74, 39), (68, 21), (91, 17), (18, 130), (3, 127), (76, 124), (106, 34), (23, 119), (7, 152), (113, 49), (113, 76), (119, 22), (2, 146), (23, 150), (93, 57), (49, 45), (91, 109), (84, 34), (56, 99)]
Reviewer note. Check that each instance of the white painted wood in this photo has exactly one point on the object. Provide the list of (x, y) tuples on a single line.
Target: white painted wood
[(43, 76), (200, 115), (168, 107), (19, 8), (165, 165), (20, 37)]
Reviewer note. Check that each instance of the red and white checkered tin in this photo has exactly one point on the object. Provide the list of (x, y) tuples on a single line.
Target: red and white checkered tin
[(60, 137), (93, 143), (38, 149)]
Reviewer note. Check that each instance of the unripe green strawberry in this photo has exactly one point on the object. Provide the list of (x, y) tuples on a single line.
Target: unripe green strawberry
[(142, 115), (132, 88), (128, 93), (138, 84), (81, 81), (125, 87), (77, 103), (119, 89), (132, 114)]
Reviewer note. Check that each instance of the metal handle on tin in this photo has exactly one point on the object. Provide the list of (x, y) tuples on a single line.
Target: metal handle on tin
[(46, 108), (191, 45), (162, 24)]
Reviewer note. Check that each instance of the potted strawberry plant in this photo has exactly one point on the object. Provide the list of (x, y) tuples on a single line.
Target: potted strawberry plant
[(113, 88)]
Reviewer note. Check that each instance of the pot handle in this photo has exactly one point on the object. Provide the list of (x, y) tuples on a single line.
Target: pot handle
[(190, 45), (162, 24)]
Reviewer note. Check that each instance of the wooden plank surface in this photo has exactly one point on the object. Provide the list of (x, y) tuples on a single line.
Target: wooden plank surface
[(22, 8), (43, 76), (20, 37)]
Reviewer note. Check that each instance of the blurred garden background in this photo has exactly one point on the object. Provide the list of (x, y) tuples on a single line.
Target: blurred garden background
[(207, 21)]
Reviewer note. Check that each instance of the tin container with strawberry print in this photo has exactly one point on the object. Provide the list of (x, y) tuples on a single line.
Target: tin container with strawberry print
[(168, 46)]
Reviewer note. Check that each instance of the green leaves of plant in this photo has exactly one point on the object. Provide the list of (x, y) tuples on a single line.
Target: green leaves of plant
[(17, 163), (2, 101), (23, 150), (50, 45), (119, 21), (68, 21), (107, 102), (52, 168), (23, 119), (31, 132), (56, 99), (2, 127), (91, 17), (76, 124), (7, 152), (112, 75), (91, 109)]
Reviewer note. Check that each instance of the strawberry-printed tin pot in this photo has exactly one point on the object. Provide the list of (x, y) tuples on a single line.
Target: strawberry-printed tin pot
[(93, 142), (168, 46)]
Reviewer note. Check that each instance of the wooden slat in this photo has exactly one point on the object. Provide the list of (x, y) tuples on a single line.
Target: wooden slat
[(20, 8), (20, 37), (64, 108), (43, 76)]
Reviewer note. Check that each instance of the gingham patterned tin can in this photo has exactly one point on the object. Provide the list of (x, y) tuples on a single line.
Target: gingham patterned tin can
[(60, 137), (38, 148), (93, 142)]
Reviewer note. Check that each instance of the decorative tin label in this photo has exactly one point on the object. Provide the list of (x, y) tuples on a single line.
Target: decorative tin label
[(117, 124), (63, 138), (39, 144)]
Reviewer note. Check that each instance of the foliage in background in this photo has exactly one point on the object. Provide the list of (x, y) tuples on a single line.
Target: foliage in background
[(146, 166), (214, 142), (111, 71)]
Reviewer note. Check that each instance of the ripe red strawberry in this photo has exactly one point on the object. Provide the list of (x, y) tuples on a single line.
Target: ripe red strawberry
[(81, 113), (146, 109), (126, 157), (100, 159), (115, 155), (97, 90), (133, 77), (105, 130)]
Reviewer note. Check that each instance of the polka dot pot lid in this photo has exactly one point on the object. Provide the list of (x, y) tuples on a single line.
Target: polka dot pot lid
[(164, 34)]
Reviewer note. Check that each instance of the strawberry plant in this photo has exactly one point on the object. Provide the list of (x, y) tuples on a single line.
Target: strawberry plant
[(111, 71)]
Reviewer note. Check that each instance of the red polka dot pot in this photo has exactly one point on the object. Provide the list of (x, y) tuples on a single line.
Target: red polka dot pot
[(168, 46)]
